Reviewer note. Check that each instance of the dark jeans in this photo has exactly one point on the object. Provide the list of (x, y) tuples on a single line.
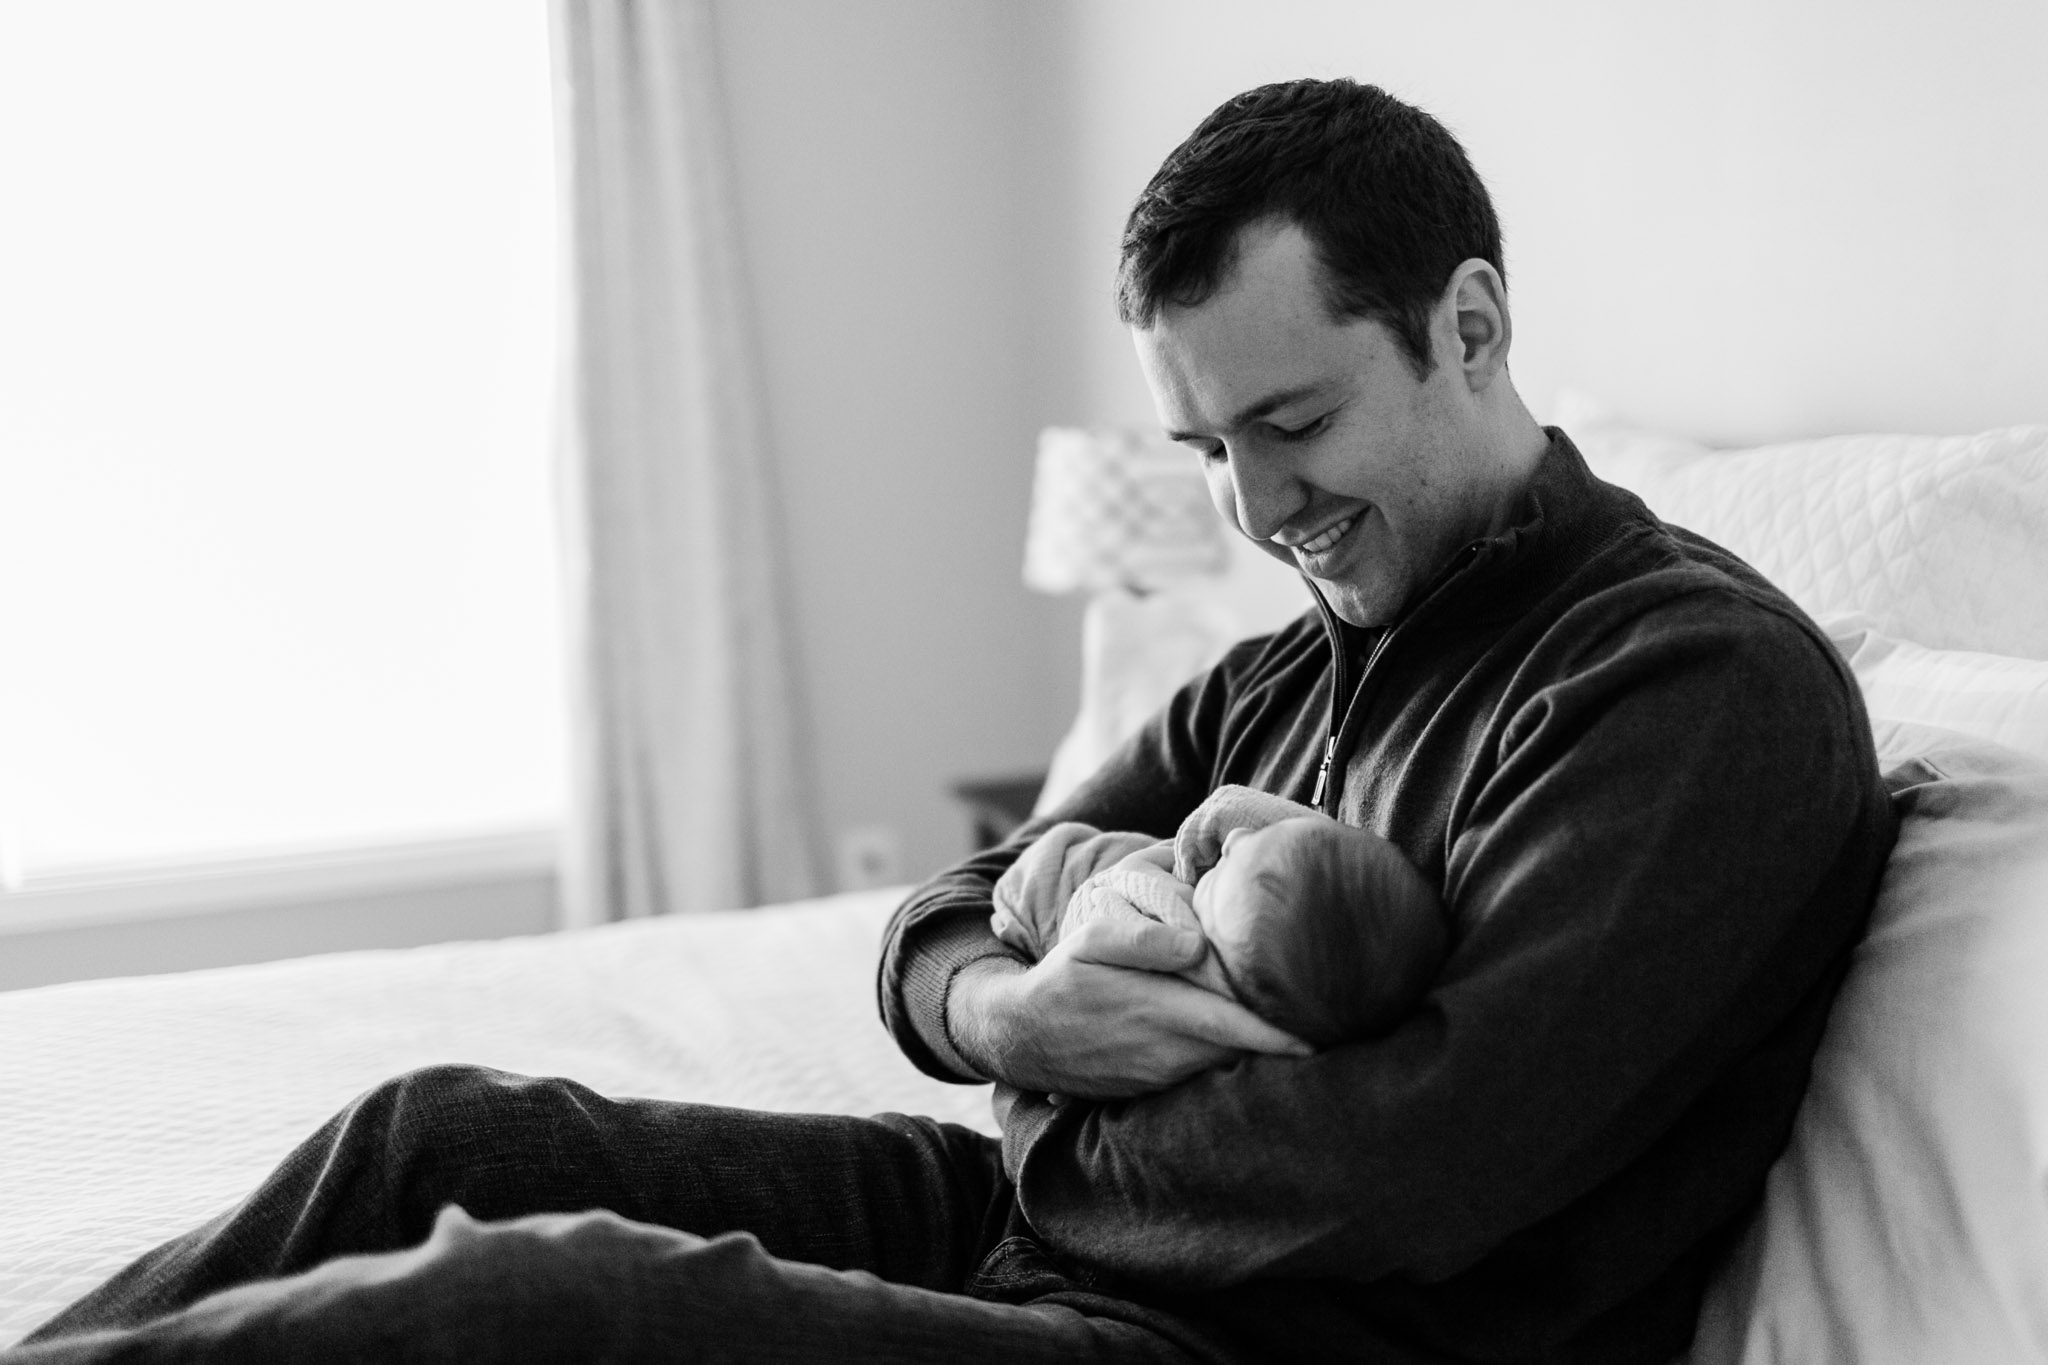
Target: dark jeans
[(463, 1214)]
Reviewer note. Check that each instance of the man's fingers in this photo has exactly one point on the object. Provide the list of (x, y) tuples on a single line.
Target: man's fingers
[(1104, 1015), (1187, 1009), (1228, 1024), (1136, 942)]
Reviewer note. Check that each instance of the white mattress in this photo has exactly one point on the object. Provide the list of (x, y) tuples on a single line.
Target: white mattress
[(131, 1110)]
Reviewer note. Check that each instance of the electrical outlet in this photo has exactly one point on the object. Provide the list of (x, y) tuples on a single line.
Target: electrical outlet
[(869, 855)]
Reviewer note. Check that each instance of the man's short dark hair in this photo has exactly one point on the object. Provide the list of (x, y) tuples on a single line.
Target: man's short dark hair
[(1382, 190)]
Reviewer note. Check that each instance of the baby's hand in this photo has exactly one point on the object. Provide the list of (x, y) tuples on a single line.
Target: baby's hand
[(1032, 892), (1135, 887), (1199, 842), (1157, 857)]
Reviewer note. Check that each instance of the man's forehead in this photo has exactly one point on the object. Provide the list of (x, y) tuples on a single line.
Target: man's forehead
[(1207, 389), (1263, 340)]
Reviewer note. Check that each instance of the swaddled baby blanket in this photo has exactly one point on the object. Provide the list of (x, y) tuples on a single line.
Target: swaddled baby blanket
[(1076, 873)]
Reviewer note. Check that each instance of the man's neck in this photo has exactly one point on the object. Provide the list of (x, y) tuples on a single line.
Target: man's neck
[(1518, 446)]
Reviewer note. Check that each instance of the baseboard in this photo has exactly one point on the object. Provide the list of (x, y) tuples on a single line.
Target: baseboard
[(134, 892)]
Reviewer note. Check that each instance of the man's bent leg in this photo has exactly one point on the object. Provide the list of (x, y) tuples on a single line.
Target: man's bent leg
[(913, 1201), (595, 1287)]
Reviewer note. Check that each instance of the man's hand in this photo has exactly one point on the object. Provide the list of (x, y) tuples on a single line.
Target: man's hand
[(1199, 843), (1102, 1016)]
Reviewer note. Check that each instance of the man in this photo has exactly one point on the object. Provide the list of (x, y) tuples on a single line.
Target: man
[(1638, 779)]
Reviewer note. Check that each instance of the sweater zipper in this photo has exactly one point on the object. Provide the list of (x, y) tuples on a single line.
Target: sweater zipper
[(1345, 697), (1340, 695), (1323, 773), (1340, 706)]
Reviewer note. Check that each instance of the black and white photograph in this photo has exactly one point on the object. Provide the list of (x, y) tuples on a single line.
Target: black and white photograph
[(976, 681)]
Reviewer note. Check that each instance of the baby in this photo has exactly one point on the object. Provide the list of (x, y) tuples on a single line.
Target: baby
[(1304, 928)]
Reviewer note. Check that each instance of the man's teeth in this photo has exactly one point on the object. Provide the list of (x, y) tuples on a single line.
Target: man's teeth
[(1327, 538)]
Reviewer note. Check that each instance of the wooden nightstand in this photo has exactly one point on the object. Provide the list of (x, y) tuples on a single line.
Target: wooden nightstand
[(997, 805)]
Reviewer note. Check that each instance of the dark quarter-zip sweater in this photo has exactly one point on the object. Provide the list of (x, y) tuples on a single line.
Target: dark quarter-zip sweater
[(1644, 783)]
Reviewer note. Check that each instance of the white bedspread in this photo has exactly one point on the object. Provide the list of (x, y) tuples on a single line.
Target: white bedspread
[(131, 1110)]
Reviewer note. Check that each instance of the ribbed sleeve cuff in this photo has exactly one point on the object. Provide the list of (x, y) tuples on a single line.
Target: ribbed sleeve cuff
[(928, 975)]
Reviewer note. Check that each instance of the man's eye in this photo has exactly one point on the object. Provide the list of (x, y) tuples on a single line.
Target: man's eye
[(1303, 433)]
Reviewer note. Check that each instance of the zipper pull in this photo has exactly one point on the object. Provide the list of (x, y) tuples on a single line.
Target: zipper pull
[(1323, 773)]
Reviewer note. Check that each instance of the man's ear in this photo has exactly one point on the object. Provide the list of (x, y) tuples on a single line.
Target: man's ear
[(1477, 300)]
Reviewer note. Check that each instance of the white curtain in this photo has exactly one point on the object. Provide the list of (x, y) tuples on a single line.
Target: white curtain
[(690, 767)]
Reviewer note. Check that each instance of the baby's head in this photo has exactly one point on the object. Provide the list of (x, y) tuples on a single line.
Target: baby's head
[(1315, 933)]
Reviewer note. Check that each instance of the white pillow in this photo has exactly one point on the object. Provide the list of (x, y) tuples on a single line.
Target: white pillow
[(1987, 695), (1942, 540), (1908, 1219), (1137, 651)]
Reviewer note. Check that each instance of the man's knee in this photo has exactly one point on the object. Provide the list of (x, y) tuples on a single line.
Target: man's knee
[(470, 1109), (432, 1096), (447, 1134)]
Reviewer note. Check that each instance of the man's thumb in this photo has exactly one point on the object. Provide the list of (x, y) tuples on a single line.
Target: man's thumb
[(1142, 943)]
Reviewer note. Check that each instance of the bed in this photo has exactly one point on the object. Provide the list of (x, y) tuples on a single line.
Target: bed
[(1907, 1222), (131, 1110)]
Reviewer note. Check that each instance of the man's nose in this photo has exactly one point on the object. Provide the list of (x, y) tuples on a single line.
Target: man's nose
[(1267, 494)]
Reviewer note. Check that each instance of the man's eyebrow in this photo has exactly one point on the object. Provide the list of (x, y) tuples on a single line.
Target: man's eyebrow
[(1253, 411)]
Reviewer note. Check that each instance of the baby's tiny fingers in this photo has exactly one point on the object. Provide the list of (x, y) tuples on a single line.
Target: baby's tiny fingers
[(1196, 847)]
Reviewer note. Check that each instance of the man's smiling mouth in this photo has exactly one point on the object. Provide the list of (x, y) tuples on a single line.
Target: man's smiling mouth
[(1327, 538)]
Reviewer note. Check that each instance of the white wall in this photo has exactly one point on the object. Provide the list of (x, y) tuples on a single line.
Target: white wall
[(1746, 220), (1741, 220), (479, 907), (885, 155)]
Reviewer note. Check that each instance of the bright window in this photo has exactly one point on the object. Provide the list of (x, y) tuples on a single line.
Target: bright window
[(277, 551)]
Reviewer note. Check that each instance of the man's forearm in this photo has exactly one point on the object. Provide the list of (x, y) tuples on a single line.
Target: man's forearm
[(939, 934), (973, 1007)]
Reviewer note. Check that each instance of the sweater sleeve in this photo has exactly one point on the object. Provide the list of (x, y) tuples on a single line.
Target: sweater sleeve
[(1668, 849), (1146, 787)]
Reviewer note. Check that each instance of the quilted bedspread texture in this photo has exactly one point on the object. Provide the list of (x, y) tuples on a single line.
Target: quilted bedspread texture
[(135, 1109)]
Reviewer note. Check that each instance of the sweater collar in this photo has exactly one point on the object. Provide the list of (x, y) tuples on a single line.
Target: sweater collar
[(1564, 513)]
